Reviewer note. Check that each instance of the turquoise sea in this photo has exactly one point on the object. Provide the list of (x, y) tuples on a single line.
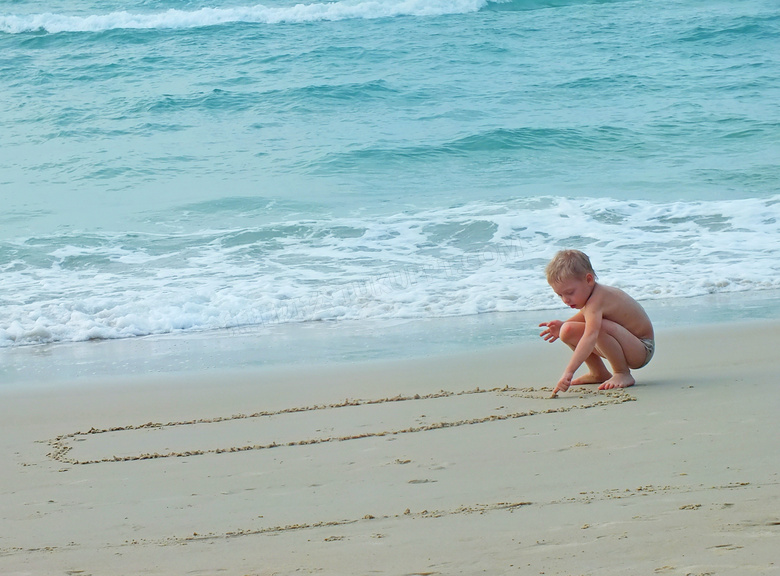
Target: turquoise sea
[(174, 168)]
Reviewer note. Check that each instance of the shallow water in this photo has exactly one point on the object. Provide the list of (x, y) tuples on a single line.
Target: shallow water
[(257, 348)]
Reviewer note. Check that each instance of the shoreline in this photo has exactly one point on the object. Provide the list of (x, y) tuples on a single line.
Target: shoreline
[(351, 468), (325, 343)]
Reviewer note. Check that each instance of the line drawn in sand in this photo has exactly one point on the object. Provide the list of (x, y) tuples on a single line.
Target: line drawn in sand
[(316, 424)]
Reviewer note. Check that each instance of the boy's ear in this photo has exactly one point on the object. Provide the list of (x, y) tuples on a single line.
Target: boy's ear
[(589, 278)]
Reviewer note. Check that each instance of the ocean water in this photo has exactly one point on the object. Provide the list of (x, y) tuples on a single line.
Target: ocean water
[(178, 167)]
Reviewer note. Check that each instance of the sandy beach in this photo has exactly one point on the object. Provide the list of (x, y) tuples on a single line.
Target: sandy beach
[(441, 465)]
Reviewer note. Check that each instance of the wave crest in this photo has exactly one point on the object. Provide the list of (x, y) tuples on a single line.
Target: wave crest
[(257, 14)]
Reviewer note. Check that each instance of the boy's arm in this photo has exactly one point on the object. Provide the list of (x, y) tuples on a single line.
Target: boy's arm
[(585, 346)]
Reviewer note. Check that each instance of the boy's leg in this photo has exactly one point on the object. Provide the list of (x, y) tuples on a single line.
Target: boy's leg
[(623, 350), (571, 333)]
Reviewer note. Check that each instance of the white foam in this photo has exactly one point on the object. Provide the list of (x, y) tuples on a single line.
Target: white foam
[(460, 261), (257, 14)]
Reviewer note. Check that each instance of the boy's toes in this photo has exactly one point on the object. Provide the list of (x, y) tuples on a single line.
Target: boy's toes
[(618, 381)]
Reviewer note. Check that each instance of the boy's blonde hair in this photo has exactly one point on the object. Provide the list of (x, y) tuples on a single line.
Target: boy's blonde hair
[(568, 264)]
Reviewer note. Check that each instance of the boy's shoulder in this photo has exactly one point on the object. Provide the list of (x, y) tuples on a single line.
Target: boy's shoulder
[(608, 296), (610, 290)]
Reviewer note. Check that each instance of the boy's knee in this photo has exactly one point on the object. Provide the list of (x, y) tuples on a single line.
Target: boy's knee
[(570, 332)]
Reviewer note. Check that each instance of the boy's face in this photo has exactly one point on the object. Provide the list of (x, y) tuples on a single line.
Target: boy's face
[(575, 291)]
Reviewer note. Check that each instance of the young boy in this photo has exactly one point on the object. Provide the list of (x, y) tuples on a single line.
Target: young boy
[(610, 324)]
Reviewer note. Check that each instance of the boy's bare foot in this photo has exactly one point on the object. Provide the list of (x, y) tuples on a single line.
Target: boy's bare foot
[(618, 381), (591, 378)]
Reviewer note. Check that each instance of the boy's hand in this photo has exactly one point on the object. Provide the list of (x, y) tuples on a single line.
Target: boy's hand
[(552, 330), (563, 384)]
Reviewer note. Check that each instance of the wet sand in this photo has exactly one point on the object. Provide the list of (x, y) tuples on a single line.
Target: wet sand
[(442, 465)]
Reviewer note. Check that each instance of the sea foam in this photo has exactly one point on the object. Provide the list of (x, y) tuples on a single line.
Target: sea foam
[(466, 260), (257, 14)]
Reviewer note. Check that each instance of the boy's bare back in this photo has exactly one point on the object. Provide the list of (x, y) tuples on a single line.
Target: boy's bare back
[(619, 307)]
